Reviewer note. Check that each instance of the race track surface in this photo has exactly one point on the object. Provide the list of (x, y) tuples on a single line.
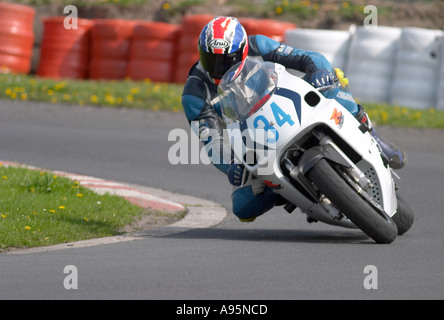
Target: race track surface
[(279, 256)]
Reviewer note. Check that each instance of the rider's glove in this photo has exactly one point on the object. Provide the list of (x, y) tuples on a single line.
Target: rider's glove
[(320, 78), (235, 173)]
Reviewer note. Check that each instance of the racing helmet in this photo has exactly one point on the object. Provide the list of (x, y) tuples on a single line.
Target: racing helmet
[(222, 43)]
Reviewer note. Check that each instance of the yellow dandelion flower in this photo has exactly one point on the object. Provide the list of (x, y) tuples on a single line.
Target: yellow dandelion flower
[(61, 207), (416, 115), (59, 85), (94, 99), (85, 218), (3, 216), (24, 96), (28, 228), (79, 195), (50, 92), (52, 211), (384, 116), (110, 99)]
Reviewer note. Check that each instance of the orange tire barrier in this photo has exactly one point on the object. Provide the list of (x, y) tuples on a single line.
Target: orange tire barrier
[(153, 51), (16, 37), (191, 28), (110, 48), (65, 52), (267, 27)]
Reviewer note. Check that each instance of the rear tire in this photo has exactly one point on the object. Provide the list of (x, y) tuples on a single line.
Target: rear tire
[(353, 206), (404, 216)]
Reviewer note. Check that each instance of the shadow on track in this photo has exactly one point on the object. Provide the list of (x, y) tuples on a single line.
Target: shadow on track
[(347, 236)]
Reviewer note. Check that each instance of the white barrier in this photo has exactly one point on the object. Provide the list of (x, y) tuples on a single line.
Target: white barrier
[(440, 103), (403, 66), (333, 44), (416, 71), (371, 61)]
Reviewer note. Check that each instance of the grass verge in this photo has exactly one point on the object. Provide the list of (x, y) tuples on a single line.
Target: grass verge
[(161, 96), (39, 209), (398, 116), (127, 94)]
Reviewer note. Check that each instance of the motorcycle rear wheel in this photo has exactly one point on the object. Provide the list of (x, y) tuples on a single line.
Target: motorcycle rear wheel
[(381, 229)]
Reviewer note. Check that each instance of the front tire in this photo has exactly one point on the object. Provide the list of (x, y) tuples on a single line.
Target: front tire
[(404, 216), (353, 206)]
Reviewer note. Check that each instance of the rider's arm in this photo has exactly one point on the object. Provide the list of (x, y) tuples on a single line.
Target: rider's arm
[(205, 120), (288, 56)]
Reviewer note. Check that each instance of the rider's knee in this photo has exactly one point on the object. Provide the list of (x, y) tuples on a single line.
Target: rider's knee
[(247, 206)]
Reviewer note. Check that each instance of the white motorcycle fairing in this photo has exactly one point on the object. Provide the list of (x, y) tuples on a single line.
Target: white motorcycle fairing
[(288, 116)]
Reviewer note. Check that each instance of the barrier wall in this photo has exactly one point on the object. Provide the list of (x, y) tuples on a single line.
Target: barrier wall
[(386, 64), (64, 53), (16, 37), (188, 55), (371, 59), (418, 59), (267, 27), (153, 52), (333, 44), (110, 46), (440, 103)]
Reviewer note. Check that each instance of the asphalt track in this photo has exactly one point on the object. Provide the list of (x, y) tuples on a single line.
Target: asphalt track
[(278, 257)]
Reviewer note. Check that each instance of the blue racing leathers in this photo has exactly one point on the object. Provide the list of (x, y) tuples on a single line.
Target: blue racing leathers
[(200, 91)]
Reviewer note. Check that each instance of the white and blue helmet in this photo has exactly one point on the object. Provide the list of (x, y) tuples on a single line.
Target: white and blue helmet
[(223, 43)]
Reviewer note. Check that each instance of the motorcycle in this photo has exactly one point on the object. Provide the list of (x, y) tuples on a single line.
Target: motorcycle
[(310, 150)]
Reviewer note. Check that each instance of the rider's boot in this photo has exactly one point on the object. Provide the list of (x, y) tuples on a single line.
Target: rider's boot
[(396, 157)]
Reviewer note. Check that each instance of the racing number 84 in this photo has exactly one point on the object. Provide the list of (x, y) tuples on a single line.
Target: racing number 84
[(281, 118)]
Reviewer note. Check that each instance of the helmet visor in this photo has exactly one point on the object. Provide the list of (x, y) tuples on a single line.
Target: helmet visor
[(218, 64)]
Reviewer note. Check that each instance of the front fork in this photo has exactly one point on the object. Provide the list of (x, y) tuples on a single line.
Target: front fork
[(355, 173)]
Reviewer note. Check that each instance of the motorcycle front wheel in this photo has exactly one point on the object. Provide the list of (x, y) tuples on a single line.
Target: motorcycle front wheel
[(380, 228), (404, 217)]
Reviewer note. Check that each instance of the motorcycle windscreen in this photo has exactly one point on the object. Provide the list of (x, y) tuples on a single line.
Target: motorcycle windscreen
[(245, 89)]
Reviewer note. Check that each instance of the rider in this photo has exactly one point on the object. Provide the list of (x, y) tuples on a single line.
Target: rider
[(223, 43)]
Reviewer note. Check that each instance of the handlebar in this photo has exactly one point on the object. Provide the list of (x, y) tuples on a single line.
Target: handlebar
[(322, 89)]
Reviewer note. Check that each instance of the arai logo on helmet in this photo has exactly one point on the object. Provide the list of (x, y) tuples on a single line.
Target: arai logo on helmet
[(219, 44)]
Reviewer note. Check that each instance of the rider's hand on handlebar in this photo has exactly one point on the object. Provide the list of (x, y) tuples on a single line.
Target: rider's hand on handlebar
[(320, 78), (235, 173)]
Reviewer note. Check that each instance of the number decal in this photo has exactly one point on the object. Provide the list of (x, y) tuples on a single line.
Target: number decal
[(267, 128), (281, 118)]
